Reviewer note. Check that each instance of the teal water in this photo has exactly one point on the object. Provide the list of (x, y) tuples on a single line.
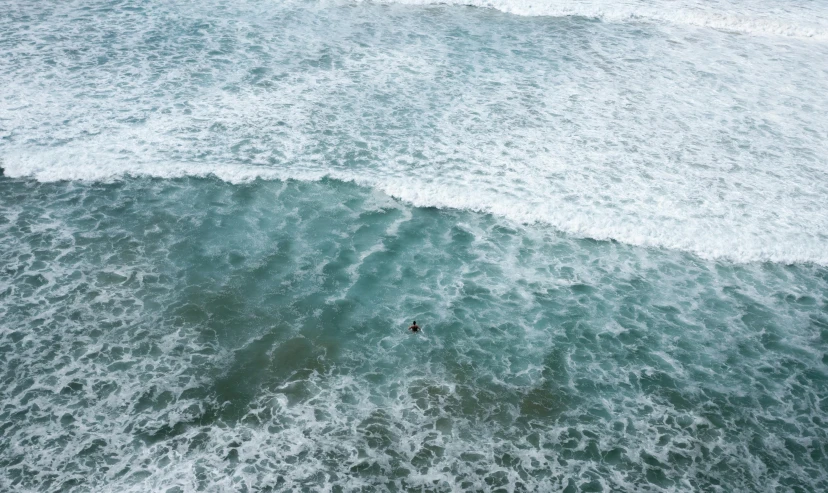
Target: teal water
[(214, 336), (218, 219)]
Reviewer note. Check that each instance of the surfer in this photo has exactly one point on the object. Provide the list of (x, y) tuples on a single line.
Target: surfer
[(414, 327)]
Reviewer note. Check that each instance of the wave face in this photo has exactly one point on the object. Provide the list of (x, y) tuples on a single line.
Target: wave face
[(804, 19), (653, 135), (195, 335), (217, 219)]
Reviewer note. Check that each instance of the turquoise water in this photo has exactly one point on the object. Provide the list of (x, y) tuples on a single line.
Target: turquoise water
[(217, 220)]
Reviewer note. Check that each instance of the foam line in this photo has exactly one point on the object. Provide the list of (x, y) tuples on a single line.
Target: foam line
[(711, 15), (749, 243), (709, 144)]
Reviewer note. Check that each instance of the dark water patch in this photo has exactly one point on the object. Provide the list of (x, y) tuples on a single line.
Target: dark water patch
[(196, 314)]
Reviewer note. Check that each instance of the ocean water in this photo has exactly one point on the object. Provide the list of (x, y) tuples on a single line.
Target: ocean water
[(217, 219)]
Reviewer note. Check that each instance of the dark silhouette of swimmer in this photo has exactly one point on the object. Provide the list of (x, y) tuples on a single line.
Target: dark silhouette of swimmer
[(414, 327)]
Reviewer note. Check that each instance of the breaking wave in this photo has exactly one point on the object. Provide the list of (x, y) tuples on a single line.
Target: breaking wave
[(776, 20)]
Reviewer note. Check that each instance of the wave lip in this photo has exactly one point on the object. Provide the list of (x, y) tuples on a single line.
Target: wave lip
[(674, 13), (711, 145), (721, 239)]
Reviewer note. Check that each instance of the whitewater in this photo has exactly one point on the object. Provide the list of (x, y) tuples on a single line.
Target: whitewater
[(217, 219)]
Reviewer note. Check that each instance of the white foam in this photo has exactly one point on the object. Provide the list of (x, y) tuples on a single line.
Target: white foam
[(802, 20), (710, 144), (455, 408), (770, 237)]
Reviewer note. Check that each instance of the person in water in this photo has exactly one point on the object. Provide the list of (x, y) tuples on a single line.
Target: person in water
[(414, 327)]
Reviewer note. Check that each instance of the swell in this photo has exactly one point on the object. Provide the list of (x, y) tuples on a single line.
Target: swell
[(710, 242), (705, 144), (764, 24)]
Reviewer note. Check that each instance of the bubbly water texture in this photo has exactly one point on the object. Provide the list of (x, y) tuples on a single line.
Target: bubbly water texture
[(646, 133), (217, 219), (201, 336), (803, 19)]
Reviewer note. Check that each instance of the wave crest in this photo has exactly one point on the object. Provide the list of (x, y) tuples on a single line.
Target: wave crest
[(773, 23), (706, 237)]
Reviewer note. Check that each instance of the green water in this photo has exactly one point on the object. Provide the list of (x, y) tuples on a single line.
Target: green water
[(214, 336), (218, 218)]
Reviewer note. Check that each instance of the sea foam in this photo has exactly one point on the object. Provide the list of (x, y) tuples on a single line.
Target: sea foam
[(206, 336), (763, 19), (709, 144)]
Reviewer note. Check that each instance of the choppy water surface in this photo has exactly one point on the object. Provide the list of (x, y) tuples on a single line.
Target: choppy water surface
[(217, 219)]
